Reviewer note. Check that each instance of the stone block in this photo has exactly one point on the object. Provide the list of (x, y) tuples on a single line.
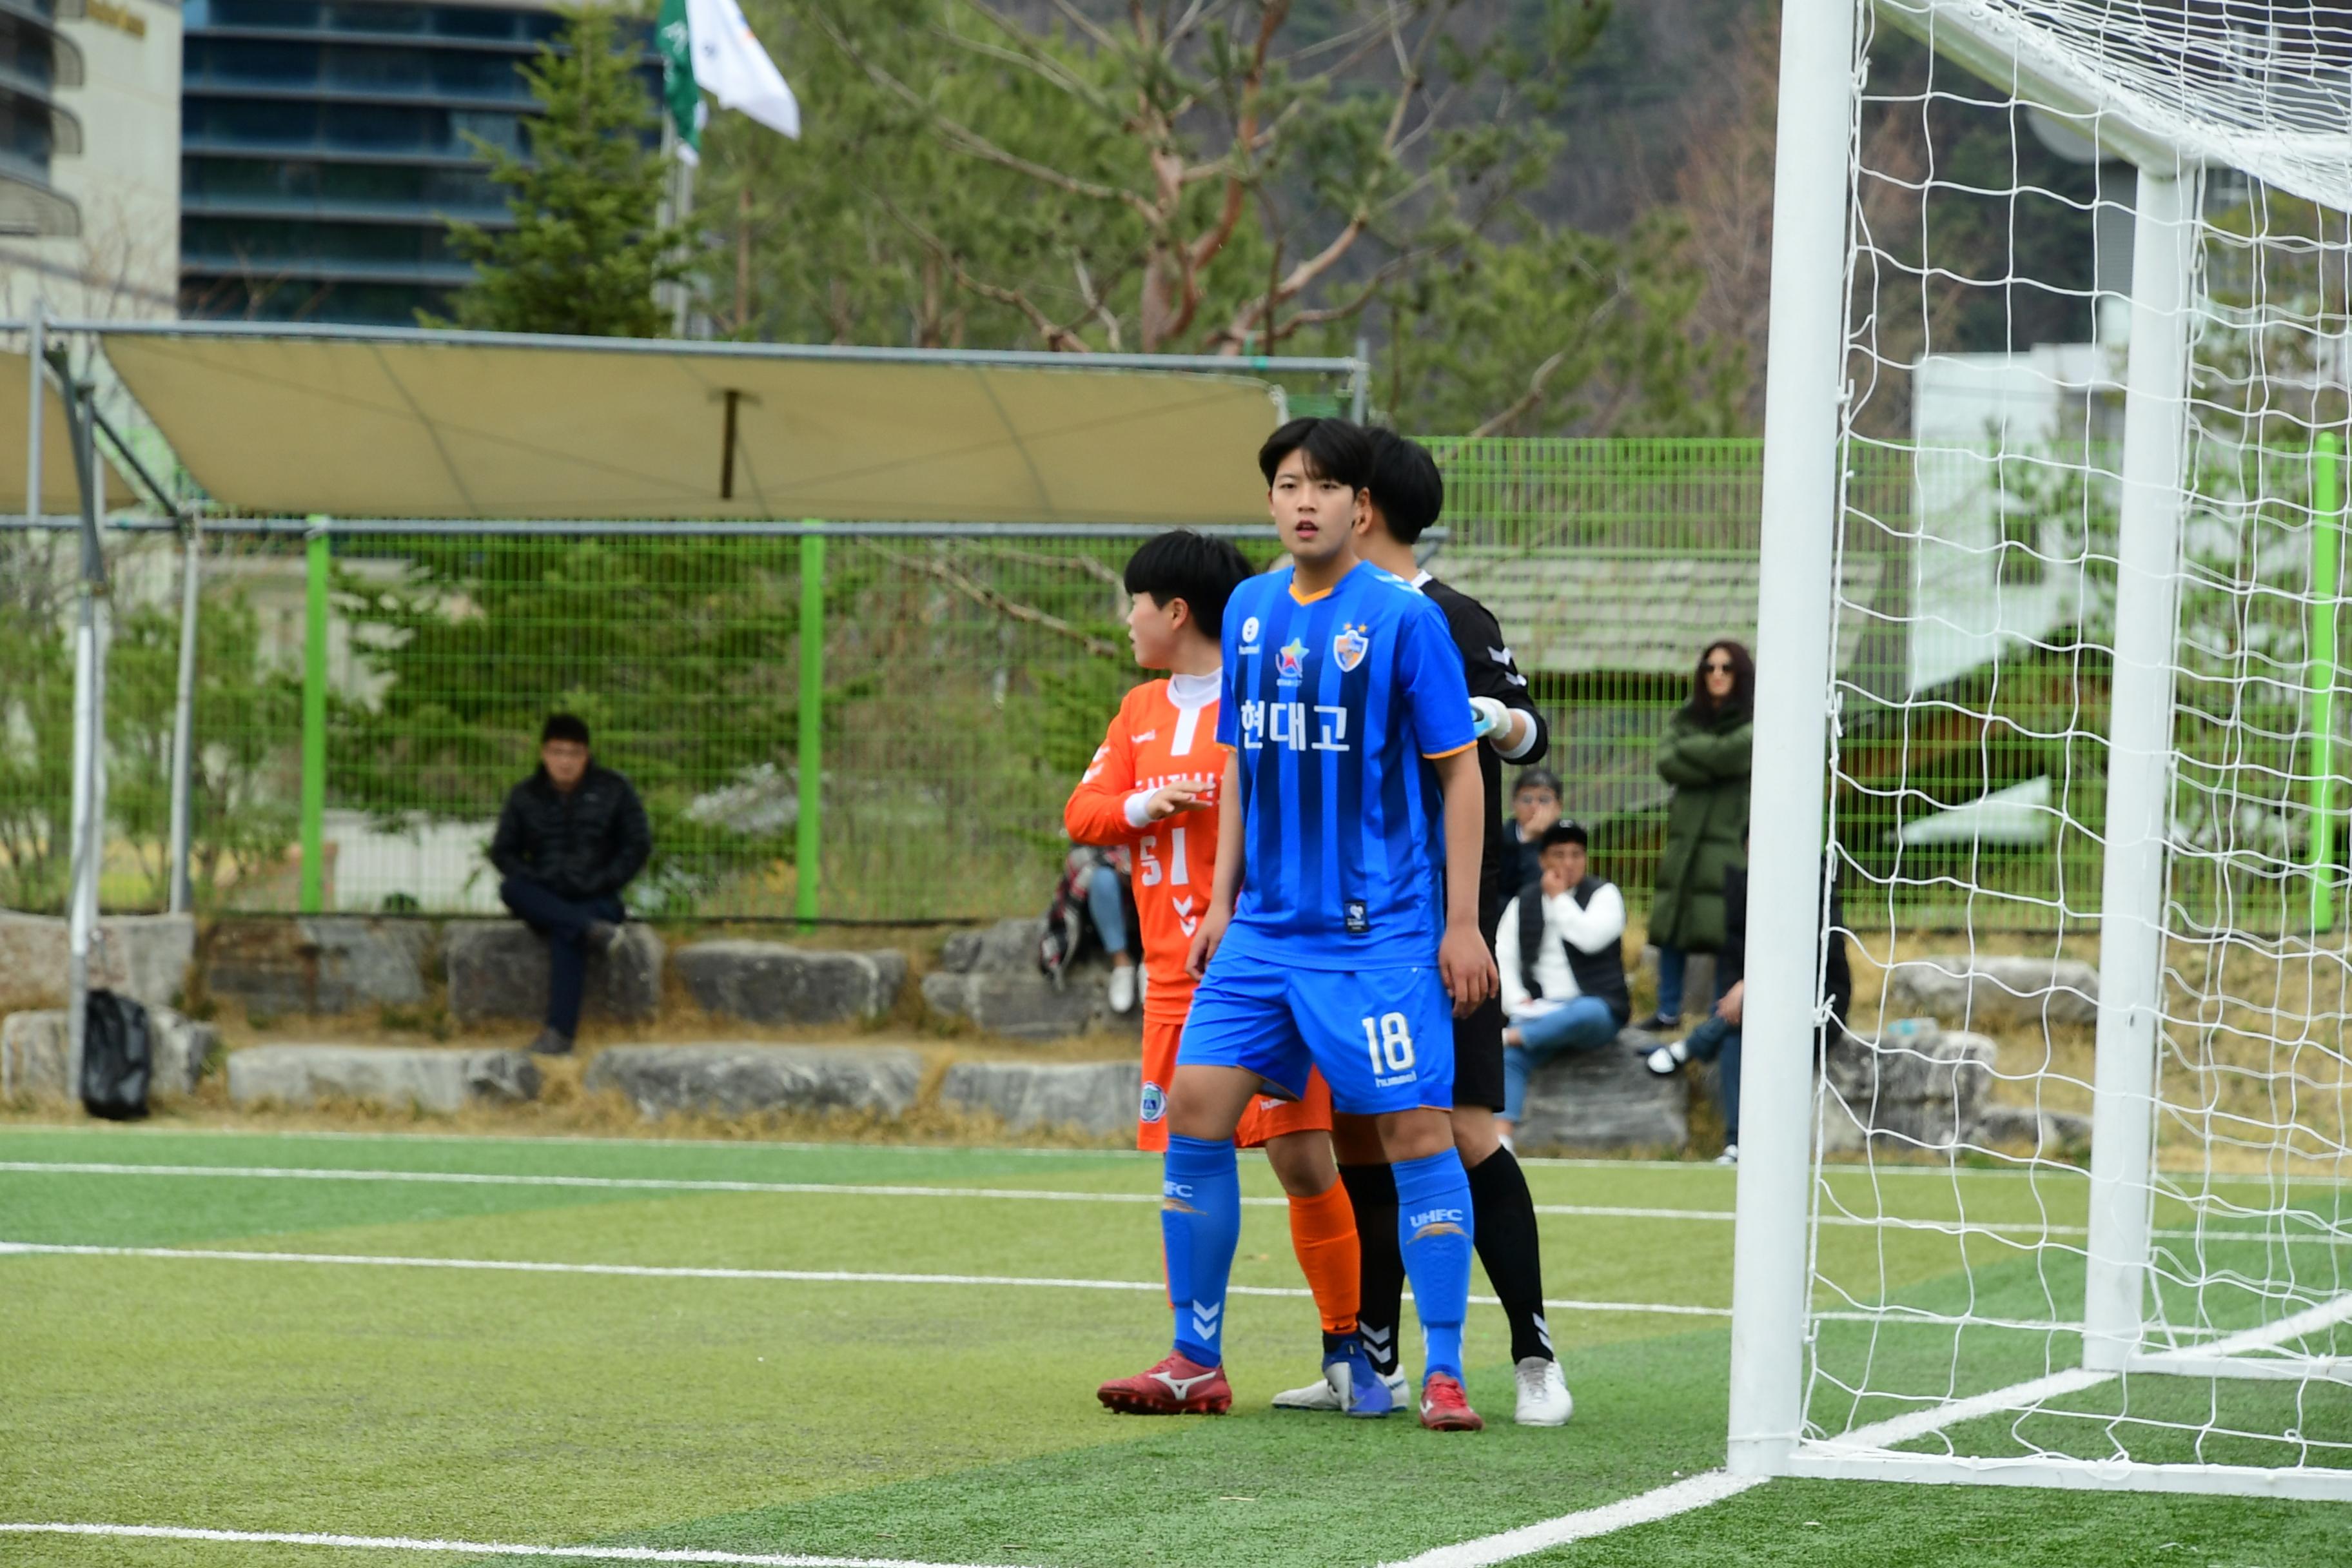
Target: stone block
[(141, 956), (1006, 945), (770, 983), (1023, 1004), (1605, 1099), (1096, 1098), (2044, 1132), (497, 969), (397, 1077), (35, 1048), (319, 964), (1984, 990), (1917, 1087), (736, 1079)]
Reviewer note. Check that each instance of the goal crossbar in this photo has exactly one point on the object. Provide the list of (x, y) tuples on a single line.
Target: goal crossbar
[(2003, 44)]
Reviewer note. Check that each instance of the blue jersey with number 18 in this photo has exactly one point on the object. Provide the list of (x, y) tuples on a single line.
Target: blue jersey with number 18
[(1333, 703)]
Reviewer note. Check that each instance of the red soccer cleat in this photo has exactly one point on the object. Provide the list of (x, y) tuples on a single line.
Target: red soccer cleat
[(1177, 1386), (1446, 1408)]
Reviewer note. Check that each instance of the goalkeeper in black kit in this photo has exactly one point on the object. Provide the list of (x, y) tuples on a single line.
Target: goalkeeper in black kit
[(1407, 494)]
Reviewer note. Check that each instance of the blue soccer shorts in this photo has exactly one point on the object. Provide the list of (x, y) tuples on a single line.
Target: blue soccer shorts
[(1383, 1038)]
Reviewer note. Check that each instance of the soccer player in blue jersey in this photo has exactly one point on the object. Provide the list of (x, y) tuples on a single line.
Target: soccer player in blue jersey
[(1329, 939)]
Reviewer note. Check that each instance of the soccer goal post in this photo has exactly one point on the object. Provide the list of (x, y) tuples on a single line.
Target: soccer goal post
[(2064, 1197)]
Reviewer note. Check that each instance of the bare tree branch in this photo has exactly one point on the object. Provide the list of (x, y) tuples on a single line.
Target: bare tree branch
[(967, 140), (1012, 609)]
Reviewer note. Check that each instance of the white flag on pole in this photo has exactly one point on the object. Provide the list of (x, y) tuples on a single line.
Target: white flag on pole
[(729, 65)]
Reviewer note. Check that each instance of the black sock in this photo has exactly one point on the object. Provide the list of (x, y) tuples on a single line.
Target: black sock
[(1334, 1343), (1371, 1193), (1505, 1215)]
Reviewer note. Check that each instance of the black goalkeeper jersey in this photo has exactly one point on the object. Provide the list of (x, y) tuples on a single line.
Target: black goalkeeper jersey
[(1486, 660)]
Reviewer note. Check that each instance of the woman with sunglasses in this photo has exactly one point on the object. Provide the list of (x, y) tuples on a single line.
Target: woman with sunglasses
[(1704, 756)]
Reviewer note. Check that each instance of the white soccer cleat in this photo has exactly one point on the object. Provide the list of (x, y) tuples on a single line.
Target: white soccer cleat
[(1544, 1399), (1325, 1394), (1122, 988)]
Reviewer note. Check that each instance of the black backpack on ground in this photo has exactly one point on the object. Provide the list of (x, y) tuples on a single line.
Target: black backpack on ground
[(118, 1057), (1069, 933)]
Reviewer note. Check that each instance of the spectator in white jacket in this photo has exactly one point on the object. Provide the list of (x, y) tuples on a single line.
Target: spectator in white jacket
[(1562, 957)]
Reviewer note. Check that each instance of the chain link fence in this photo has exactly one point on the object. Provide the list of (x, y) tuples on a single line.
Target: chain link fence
[(966, 675)]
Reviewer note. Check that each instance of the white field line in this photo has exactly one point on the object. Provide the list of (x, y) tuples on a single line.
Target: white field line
[(794, 1275), (1698, 1491), (466, 1547), (1012, 1194), (1585, 1163)]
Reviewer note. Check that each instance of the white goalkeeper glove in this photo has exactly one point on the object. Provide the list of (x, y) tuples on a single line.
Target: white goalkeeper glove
[(1490, 717)]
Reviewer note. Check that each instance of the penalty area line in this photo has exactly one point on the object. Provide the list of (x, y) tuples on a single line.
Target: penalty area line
[(466, 1548), (1703, 1490), (791, 1276)]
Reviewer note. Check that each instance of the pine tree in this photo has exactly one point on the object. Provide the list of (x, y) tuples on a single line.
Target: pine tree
[(587, 247)]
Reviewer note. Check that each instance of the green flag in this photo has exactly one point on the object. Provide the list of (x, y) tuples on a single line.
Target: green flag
[(673, 39)]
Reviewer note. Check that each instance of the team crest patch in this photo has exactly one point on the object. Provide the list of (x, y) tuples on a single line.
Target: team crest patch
[(1292, 655), (1155, 1102), (1350, 646)]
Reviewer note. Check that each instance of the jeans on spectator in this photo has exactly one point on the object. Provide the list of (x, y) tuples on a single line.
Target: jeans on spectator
[(564, 923), (1106, 903), (1578, 1023), (1716, 1040), (1672, 962)]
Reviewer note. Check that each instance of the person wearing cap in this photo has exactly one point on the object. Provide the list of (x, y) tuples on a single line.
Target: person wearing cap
[(1535, 806), (1562, 955)]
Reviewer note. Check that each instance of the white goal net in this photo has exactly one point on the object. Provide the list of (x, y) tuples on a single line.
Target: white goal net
[(2077, 1164)]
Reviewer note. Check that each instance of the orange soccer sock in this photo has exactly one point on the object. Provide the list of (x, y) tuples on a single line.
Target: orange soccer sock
[(1323, 1233)]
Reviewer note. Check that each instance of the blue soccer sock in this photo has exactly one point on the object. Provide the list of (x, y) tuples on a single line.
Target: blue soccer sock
[(1434, 1231), (1201, 1222)]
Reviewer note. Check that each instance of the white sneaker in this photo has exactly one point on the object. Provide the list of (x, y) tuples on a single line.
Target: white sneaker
[(1544, 1399), (1122, 988), (1667, 1059), (1324, 1393), (1730, 1155)]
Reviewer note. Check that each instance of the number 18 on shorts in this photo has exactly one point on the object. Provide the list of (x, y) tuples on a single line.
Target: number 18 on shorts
[(1383, 1038)]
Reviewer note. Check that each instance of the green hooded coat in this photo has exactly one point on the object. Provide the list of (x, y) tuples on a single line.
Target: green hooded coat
[(1707, 760)]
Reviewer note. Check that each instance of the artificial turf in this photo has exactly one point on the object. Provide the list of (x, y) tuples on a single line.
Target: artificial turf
[(946, 1423)]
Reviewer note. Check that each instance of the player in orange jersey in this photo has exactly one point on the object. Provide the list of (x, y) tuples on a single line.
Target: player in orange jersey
[(1152, 787)]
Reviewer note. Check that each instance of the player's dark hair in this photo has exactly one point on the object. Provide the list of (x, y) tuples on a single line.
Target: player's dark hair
[(1406, 485), (1565, 832), (564, 727), (1335, 448), (1202, 571)]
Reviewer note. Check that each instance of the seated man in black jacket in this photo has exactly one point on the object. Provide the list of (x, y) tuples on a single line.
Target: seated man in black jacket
[(571, 837)]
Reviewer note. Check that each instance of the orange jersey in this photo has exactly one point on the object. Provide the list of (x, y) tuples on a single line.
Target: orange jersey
[(1156, 741)]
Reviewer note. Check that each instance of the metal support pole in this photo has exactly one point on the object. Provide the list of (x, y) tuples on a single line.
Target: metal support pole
[(36, 347), (2139, 765), (311, 899), (809, 838), (88, 818), (183, 717), (2326, 599), (1803, 394), (1360, 382)]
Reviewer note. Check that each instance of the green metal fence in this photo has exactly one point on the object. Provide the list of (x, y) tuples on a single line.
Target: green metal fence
[(367, 697)]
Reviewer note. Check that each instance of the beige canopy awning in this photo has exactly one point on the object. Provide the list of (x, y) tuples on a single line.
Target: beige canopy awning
[(407, 425), (60, 497)]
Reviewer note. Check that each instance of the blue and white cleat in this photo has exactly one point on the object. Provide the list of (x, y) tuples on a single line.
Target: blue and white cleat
[(1349, 1385)]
